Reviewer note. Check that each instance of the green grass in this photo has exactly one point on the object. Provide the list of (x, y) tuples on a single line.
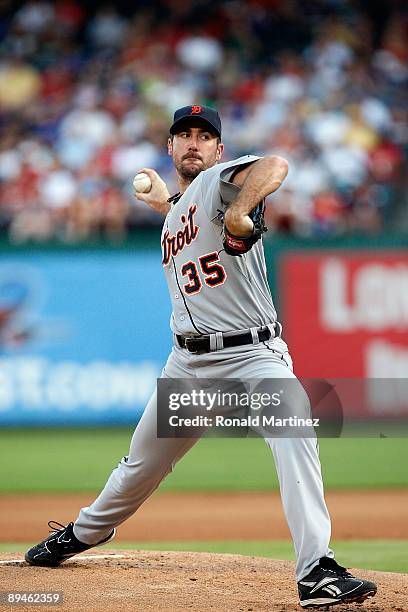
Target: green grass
[(70, 460), (382, 555)]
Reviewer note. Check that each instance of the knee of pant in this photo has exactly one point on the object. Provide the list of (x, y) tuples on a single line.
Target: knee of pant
[(137, 474)]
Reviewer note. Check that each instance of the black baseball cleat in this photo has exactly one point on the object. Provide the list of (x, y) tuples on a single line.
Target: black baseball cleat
[(59, 546), (329, 584)]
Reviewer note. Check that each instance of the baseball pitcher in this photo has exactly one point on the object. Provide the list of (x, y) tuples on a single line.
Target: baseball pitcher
[(224, 326)]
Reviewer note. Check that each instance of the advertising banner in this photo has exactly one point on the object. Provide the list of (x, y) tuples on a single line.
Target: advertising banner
[(345, 314), (83, 336)]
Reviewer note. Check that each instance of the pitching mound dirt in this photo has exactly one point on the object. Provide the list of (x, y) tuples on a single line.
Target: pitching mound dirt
[(137, 581)]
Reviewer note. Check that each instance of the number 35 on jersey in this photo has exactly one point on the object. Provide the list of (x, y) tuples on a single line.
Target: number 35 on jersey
[(206, 269)]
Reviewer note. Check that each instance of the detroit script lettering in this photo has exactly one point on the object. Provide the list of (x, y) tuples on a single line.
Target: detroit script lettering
[(171, 245)]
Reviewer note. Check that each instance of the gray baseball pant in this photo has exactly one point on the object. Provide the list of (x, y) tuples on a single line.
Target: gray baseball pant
[(150, 459)]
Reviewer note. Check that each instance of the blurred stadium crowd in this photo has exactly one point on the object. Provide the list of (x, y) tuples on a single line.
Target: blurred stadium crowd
[(86, 98)]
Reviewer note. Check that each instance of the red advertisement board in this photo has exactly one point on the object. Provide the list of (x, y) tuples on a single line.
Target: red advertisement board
[(345, 314)]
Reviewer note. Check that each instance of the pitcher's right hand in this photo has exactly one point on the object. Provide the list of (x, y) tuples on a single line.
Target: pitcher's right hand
[(158, 195)]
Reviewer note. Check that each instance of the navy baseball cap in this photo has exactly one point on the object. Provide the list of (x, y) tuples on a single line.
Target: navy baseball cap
[(188, 114)]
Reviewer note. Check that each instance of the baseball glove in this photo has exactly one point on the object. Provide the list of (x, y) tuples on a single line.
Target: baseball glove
[(235, 245)]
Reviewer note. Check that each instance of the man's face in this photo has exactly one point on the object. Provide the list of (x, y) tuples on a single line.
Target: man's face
[(193, 150)]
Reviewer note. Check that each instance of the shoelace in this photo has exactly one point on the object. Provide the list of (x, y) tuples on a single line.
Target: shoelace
[(56, 529), (332, 566)]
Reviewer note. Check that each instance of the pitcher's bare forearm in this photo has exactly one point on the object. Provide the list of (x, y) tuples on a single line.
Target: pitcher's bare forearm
[(264, 177)]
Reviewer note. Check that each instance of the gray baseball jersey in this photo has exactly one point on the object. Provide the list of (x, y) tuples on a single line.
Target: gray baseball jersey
[(210, 290)]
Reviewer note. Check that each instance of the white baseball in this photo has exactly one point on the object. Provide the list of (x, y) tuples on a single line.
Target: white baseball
[(142, 183)]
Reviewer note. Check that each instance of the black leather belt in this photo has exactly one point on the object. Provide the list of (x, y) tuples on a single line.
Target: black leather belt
[(201, 344)]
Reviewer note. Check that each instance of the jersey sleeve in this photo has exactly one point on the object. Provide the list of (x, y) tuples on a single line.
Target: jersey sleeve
[(228, 190), (216, 187)]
